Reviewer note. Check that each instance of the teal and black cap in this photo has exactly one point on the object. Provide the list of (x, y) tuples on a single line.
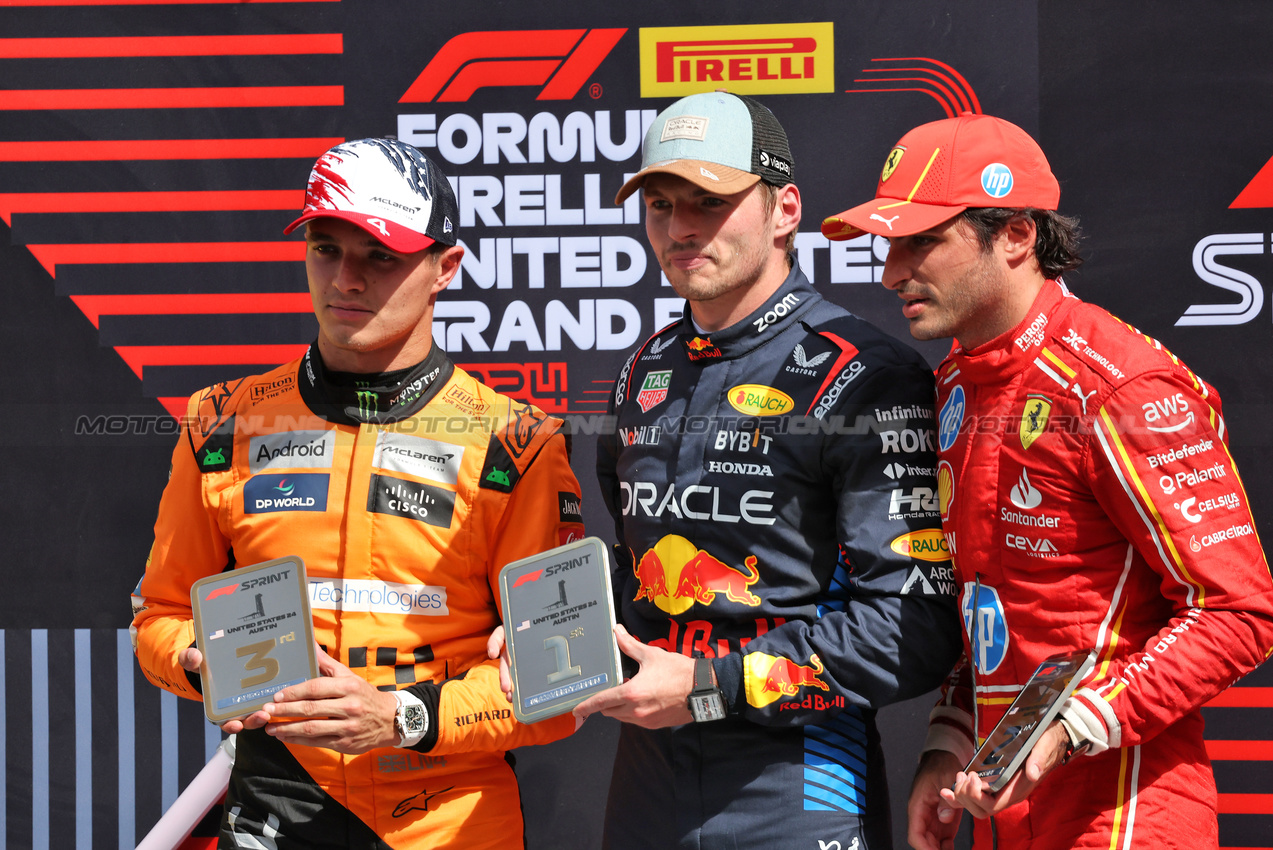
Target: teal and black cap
[(718, 141)]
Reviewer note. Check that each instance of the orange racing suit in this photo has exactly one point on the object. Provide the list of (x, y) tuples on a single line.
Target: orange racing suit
[(403, 502)]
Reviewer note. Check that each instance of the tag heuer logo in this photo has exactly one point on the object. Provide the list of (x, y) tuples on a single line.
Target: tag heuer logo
[(653, 389)]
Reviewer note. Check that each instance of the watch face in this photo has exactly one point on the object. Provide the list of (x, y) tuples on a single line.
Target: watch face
[(413, 719), (707, 707)]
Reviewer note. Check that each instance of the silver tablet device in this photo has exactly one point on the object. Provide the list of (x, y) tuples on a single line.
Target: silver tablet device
[(254, 628), (1006, 747), (559, 628)]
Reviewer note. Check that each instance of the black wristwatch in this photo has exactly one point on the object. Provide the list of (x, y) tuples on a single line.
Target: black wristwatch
[(1073, 747), (706, 702)]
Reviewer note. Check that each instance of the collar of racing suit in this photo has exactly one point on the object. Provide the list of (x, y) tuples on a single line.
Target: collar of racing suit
[(347, 398), (1010, 352), (795, 297)]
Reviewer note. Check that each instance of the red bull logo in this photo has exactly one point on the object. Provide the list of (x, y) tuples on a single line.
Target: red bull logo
[(702, 348), (675, 574), (768, 677)]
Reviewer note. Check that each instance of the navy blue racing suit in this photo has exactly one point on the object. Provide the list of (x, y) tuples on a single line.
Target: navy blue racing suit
[(773, 491)]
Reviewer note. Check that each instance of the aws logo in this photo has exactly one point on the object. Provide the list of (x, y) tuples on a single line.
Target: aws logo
[(559, 60)]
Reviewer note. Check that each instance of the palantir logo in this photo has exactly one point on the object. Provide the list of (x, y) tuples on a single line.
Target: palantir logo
[(559, 60)]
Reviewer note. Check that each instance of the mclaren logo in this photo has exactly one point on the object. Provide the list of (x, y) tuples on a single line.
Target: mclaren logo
[(752, 59), (559, 60)]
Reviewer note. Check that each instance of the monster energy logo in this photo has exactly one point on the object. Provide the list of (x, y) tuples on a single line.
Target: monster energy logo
[(368, 403)]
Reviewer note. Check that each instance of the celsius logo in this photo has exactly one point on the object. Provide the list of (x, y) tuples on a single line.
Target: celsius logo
[(559, 60), (996, 179)]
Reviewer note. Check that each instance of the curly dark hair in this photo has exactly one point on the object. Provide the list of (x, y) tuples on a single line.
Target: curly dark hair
[(1056, 241)]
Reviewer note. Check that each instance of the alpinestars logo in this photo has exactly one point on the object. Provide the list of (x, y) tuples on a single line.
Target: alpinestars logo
[(559, 60)]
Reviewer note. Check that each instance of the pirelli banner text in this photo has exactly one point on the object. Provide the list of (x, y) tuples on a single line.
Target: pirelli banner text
[(151, 154)]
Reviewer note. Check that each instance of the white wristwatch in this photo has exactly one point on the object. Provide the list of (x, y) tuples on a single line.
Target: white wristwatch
[(411, 719)]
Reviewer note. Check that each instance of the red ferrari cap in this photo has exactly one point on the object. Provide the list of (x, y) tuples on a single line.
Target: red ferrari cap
[(942, 168)]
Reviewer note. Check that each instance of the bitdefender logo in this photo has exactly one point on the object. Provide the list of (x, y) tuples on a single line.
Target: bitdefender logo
[(752, 59), (558, 60)]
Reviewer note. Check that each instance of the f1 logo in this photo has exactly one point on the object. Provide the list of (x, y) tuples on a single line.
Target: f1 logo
[(558, 60)]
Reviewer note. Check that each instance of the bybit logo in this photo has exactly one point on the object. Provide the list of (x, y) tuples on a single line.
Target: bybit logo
[(752, 59)]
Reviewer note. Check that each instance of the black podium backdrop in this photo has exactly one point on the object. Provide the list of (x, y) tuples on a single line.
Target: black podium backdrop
[(151, 153)]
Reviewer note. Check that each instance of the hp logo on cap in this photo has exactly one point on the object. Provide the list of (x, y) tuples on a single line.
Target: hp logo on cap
[(996, 179)]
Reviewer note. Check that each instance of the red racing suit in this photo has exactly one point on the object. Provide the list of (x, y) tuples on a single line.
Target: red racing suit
[(403, 506), (1089, 500)]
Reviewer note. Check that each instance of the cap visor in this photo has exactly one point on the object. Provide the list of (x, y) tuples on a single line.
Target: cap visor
[(887, 217), (389, 233), (712, 176)]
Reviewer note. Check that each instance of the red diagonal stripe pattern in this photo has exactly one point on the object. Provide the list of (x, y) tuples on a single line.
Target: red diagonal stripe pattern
[(179, 45), (1240, 750), (125, 149), (178, 98), (4, 3), (96, 306), (51, 256), (1243, 698), (1259, 192), (1246, 804), (98, 202), (138, 357)]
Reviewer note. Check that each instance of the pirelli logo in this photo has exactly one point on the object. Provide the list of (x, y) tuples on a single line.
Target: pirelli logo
[(752, 59)]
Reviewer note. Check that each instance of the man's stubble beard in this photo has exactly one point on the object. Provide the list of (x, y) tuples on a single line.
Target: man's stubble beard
[(970, 305), (693, 285)]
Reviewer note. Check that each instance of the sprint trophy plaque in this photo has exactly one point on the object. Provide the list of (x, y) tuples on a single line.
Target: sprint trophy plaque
[(254, 629), (1006, 747), (559, 628)]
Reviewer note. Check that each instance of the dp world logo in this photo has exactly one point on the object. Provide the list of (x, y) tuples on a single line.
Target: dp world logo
[(304, 491), (996, 179)]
